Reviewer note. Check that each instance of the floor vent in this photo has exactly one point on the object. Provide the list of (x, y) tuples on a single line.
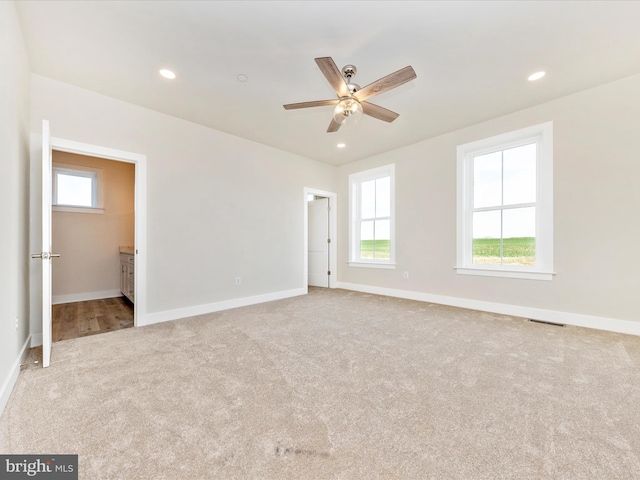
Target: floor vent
[(548, 323)]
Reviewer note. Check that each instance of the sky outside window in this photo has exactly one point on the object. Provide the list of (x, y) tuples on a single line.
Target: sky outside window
[(74, 190), (500, 179)]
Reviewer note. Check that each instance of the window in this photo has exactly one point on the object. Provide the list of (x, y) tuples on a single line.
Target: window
[(372, 218), (505, 205), (76, 188)]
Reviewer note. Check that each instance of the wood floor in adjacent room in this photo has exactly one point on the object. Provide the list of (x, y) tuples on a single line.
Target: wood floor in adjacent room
[(81, 319)]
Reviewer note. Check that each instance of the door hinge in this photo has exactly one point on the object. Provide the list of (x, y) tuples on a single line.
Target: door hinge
[(329, 272), (328, 240)]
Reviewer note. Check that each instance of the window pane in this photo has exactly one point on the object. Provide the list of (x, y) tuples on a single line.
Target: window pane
[(74, 190), (382, 248), (519, 236), (383, 197), (383, 230), (486, 237), (368, 199), (519, 175), (367, 242), (487, 180)]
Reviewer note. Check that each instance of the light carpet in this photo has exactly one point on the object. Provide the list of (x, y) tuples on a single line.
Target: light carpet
[(337, 385)]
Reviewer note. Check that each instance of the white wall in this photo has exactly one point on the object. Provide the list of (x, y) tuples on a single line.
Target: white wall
[(14, 198), (89, 244), (596, 219), (218, 206)]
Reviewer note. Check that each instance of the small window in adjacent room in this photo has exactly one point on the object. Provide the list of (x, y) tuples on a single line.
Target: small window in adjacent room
[(371, 199), (76, 189), (505, 205)]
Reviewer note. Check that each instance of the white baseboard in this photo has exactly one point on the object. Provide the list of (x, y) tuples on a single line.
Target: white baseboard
[(10, 381), (81, 297), (169, 315), (576, 319)]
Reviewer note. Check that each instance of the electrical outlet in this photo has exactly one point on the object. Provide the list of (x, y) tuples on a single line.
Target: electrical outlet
[(405, 274), (238, 280), (16, 323)]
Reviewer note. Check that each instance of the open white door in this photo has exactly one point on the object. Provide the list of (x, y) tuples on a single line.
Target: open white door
[(318, 242), (45, 253)]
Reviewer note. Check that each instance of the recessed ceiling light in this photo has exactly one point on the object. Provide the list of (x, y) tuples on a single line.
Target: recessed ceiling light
[(167, 74), (536, 76), (242, 77), (341, 145)]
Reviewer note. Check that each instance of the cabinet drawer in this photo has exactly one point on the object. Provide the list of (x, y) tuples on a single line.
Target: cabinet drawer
[(126, 258)]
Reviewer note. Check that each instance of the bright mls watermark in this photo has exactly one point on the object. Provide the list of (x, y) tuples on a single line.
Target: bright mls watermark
[(50, 467)]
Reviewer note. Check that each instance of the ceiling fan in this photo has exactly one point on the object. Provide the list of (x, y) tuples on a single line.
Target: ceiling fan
[(351, 102)]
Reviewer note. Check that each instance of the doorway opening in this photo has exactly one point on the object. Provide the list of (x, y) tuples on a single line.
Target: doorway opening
[(320, 244), (139, 254), (93, 225)]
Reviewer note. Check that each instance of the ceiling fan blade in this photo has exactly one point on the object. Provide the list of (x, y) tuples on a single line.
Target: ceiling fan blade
[(333, 126), (317, 103), (333, 75), (379, 112), (392, 80)]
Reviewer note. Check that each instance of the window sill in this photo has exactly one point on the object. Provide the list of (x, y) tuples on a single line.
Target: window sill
[(389, 266), (507, 273), (60, 208)]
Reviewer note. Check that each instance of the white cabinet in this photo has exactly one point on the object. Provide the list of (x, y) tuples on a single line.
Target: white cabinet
[(127, 276)]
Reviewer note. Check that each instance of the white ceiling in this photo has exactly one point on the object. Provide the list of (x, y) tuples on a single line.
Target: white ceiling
[(472, 60)]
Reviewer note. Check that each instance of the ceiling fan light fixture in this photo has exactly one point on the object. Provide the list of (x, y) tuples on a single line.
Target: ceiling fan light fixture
[(348, 111)]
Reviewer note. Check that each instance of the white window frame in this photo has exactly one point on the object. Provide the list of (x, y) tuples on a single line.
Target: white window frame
[(541, 134), (355, 182), (97, 188)]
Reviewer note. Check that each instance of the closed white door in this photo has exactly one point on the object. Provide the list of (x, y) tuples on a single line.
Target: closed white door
[(318, 242)]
